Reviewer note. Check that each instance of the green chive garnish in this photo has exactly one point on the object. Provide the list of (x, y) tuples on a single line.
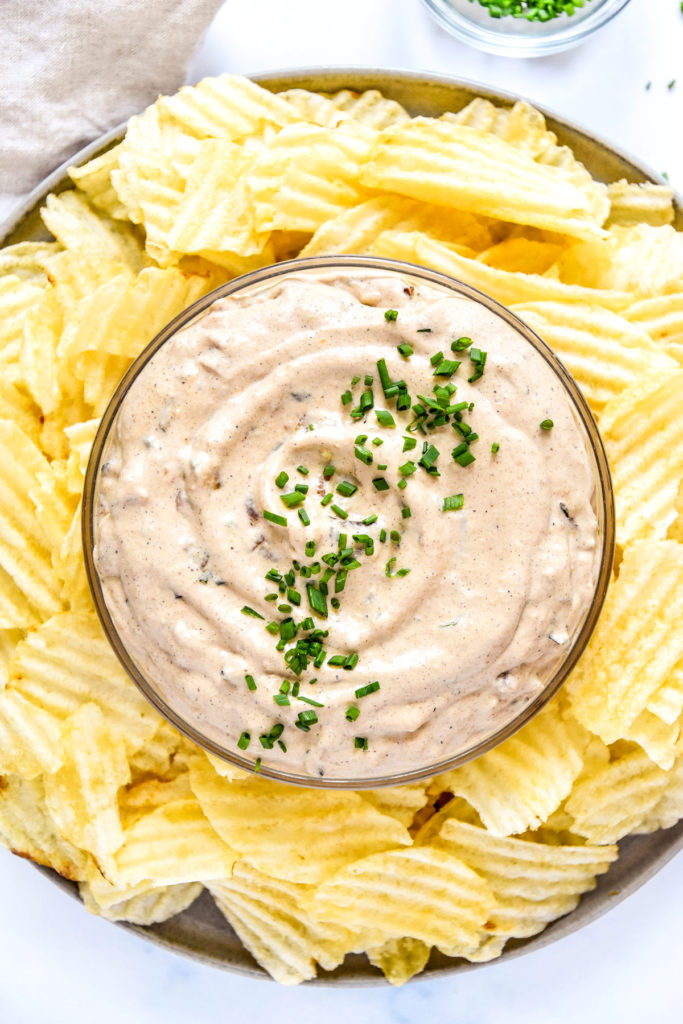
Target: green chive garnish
[(369, 520), (436, 358), (495, 447), (250, 611), (406, 513), (281, 479), (380, 484), (453, 503), (360, 743), (328, 471), (460, 344), (342, 513), (316, 600), (363, 454), (346, 488), (244, 741), (326, 500), (257, 764), (405, 350), (385, 418), (303, 470), (390, 314), (346, 398), (310, 548), (303, 516), (409, 443), (363, 691), (352, 713), (249, 680), (547, 425)]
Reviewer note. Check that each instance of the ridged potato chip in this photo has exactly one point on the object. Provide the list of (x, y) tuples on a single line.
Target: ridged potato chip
[(662, 318), (369, 107), (640, 203), (94, 179), (28, 830), (156, 904), (290, 833), (17, 297), (400, 959), (272, 923)]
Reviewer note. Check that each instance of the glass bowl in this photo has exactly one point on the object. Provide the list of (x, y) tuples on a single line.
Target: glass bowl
[(197, 725), (517, 37)]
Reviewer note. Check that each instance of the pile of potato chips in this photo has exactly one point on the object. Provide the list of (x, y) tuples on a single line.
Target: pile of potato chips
[(215, 181)]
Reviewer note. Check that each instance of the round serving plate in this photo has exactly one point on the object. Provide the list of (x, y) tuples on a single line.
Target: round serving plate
[(201, 931)]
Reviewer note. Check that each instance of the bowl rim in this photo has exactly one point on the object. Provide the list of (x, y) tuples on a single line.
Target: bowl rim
[(349, 265), (23, 221)]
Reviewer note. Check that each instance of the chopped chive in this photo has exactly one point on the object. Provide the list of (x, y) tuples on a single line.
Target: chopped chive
[(360, 743), (369, 520), (408, 468), (328, 471), (385, 379), (340, 581), (313, 703), (307, 624), (292, 499), (368, 380), (337, 660), (380, 484), (361, 439), (284, 608), (424, 330), (453, 503), (244, 741), (316, 600), (389, 569), (294, 596), (405, 350), (363, 454), (249, 680), (385, 418), (446, 368), (257, 764), (547, 424), (382, 536), (381, 465), (351, 661), (326, 500), (377, 441), (402, 484), (495, 447), (282, 700), (395, 536), (273, 628), (273, 518), (301, 488), (310, 548), (342, 513), (282, 747), (409, 443), (429, 456), (363, 691), (303, 470), (390, 314), (346, 397), (270, 597), (460, 344), (354, 381), (406, 513), (352, 713), (346, 488), (281, 479), (303, 516), (465, 458), (436, 358), (367, 400), (250, 611)]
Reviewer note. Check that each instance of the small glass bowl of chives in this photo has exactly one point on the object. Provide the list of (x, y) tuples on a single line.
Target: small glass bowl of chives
[(523, 28)]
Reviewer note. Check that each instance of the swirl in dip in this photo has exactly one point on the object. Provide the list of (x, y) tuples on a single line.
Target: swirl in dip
[(291, 565)]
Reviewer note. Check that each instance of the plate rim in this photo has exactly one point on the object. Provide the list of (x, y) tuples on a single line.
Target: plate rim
[(383, 77)]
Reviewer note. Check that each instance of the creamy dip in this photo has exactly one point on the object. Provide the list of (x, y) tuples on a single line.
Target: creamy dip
[(498, 582)]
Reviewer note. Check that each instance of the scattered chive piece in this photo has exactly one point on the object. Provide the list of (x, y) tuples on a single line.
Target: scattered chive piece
[(302, 488), (367, 400), (395, 536), (271, 517), (284, 608), (346, 489), (385, 418), (409, 443), (307, 624), (346, 397), (363, 691), (402, 484), (381, 465), (377, 441), (351, 661), (424, 330), (547, 425), (303, 470), (282, 747), (334, 601), (273, 628), (257, 764), (281, 479), (382, 536), (342, 541), (310, 548), (328, 471), (446, 368), (282, 700), (326, 500), (271, 597), (340, 581), (406, 513), (460, 344), (408, 468), (495, 447), (352, 713), (369, 520), (316, 600), (354, 381), (313, 703), (405, 350), (342, 513), (429, 457), (292, 499), (465, 458), (363, 454), (436, 358), (361, 439), (303, 516), (389, 569), (294, 596), (244, 741), (337, 659), (453, 503), (249, 680), (250, 611), (390, 314), (360, 743), (380, 484), (368, 380)]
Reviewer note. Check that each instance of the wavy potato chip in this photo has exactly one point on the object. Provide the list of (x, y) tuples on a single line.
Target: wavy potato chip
[(400, 959), (28, 830), (152, 906)]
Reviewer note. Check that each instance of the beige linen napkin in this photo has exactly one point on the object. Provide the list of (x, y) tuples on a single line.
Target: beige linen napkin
[(70, 69)]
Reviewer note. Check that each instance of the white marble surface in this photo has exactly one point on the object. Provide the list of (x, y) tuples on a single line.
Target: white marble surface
[(58, 964)]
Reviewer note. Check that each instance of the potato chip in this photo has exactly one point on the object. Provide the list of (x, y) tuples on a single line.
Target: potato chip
[(400, 802), (67, 662), (647, 466), (522, 255), (28, 588), (640, 203), (17, 298), (519, 783), (144, 796), (444, 805), (637, 641), (400, 959), (314, 107), (656, 737), (272, 923), (502, 285), (370, 108), (89, 235), (667, 700), (29, 738), (614, 800), (227, 107), (641, 259), (422, 892), (669, 808), (17, 406), (163, 756), (533, 883), (38, 354), (291, 833), (25, 260), (604, 352), (82, 794), (662, 318), (174, 844), (452, 165), (28, 830), (69, 568), (94, 179), (156, 904)]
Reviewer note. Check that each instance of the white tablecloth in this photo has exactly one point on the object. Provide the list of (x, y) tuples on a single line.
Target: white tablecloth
[(59, 964)]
